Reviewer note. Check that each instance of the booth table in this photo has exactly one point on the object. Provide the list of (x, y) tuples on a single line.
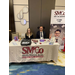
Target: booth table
[(34, 52)]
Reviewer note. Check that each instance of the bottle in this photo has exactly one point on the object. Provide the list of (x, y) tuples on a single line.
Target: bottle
[(56, 39), (50, 43)]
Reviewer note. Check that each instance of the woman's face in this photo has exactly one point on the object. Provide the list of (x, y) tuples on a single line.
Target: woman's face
[(28, 30)]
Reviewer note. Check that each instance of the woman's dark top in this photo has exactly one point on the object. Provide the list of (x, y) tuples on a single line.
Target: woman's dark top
[(27, 37)]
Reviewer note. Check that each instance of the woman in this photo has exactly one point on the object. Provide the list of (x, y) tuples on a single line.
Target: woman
[(29, 34)]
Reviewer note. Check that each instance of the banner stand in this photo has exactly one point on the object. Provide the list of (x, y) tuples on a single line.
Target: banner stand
[(57, 27)]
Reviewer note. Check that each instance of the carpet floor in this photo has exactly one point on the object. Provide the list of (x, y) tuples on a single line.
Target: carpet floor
[(35, 69)]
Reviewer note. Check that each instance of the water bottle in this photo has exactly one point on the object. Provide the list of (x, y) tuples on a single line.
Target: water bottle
[(51, 42)]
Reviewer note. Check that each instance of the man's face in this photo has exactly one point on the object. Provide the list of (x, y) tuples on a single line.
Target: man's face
[(41, 28), (57, 34)]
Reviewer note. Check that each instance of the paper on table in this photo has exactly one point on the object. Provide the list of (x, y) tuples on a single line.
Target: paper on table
[(14, 43)]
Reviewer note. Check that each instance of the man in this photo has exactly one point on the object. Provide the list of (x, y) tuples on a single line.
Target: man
[(57, 36), (40, 34)]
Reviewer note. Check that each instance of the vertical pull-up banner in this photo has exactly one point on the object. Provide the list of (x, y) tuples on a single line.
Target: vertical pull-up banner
[(57, 26)]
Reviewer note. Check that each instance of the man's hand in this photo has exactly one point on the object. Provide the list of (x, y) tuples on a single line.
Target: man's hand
[(50, 36), (63, 37)]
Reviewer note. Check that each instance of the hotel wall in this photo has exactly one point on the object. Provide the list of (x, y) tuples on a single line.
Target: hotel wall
[(60, 4), (18, 6), (43, 6), (39, 14)]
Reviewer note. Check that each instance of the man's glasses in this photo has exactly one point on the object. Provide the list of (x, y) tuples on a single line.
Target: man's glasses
[(57, 33)]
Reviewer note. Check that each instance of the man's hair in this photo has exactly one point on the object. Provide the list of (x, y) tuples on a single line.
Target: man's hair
[(41, 26), (58, 30)]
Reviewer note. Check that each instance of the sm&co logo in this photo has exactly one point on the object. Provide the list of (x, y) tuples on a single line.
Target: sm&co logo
[(59, 13), (28, 50)]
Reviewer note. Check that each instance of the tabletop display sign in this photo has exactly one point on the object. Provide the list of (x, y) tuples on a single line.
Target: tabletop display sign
[(57, 26), (16, 38)]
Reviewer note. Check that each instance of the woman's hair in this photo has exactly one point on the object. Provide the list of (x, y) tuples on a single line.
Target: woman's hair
[(30, 32)]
